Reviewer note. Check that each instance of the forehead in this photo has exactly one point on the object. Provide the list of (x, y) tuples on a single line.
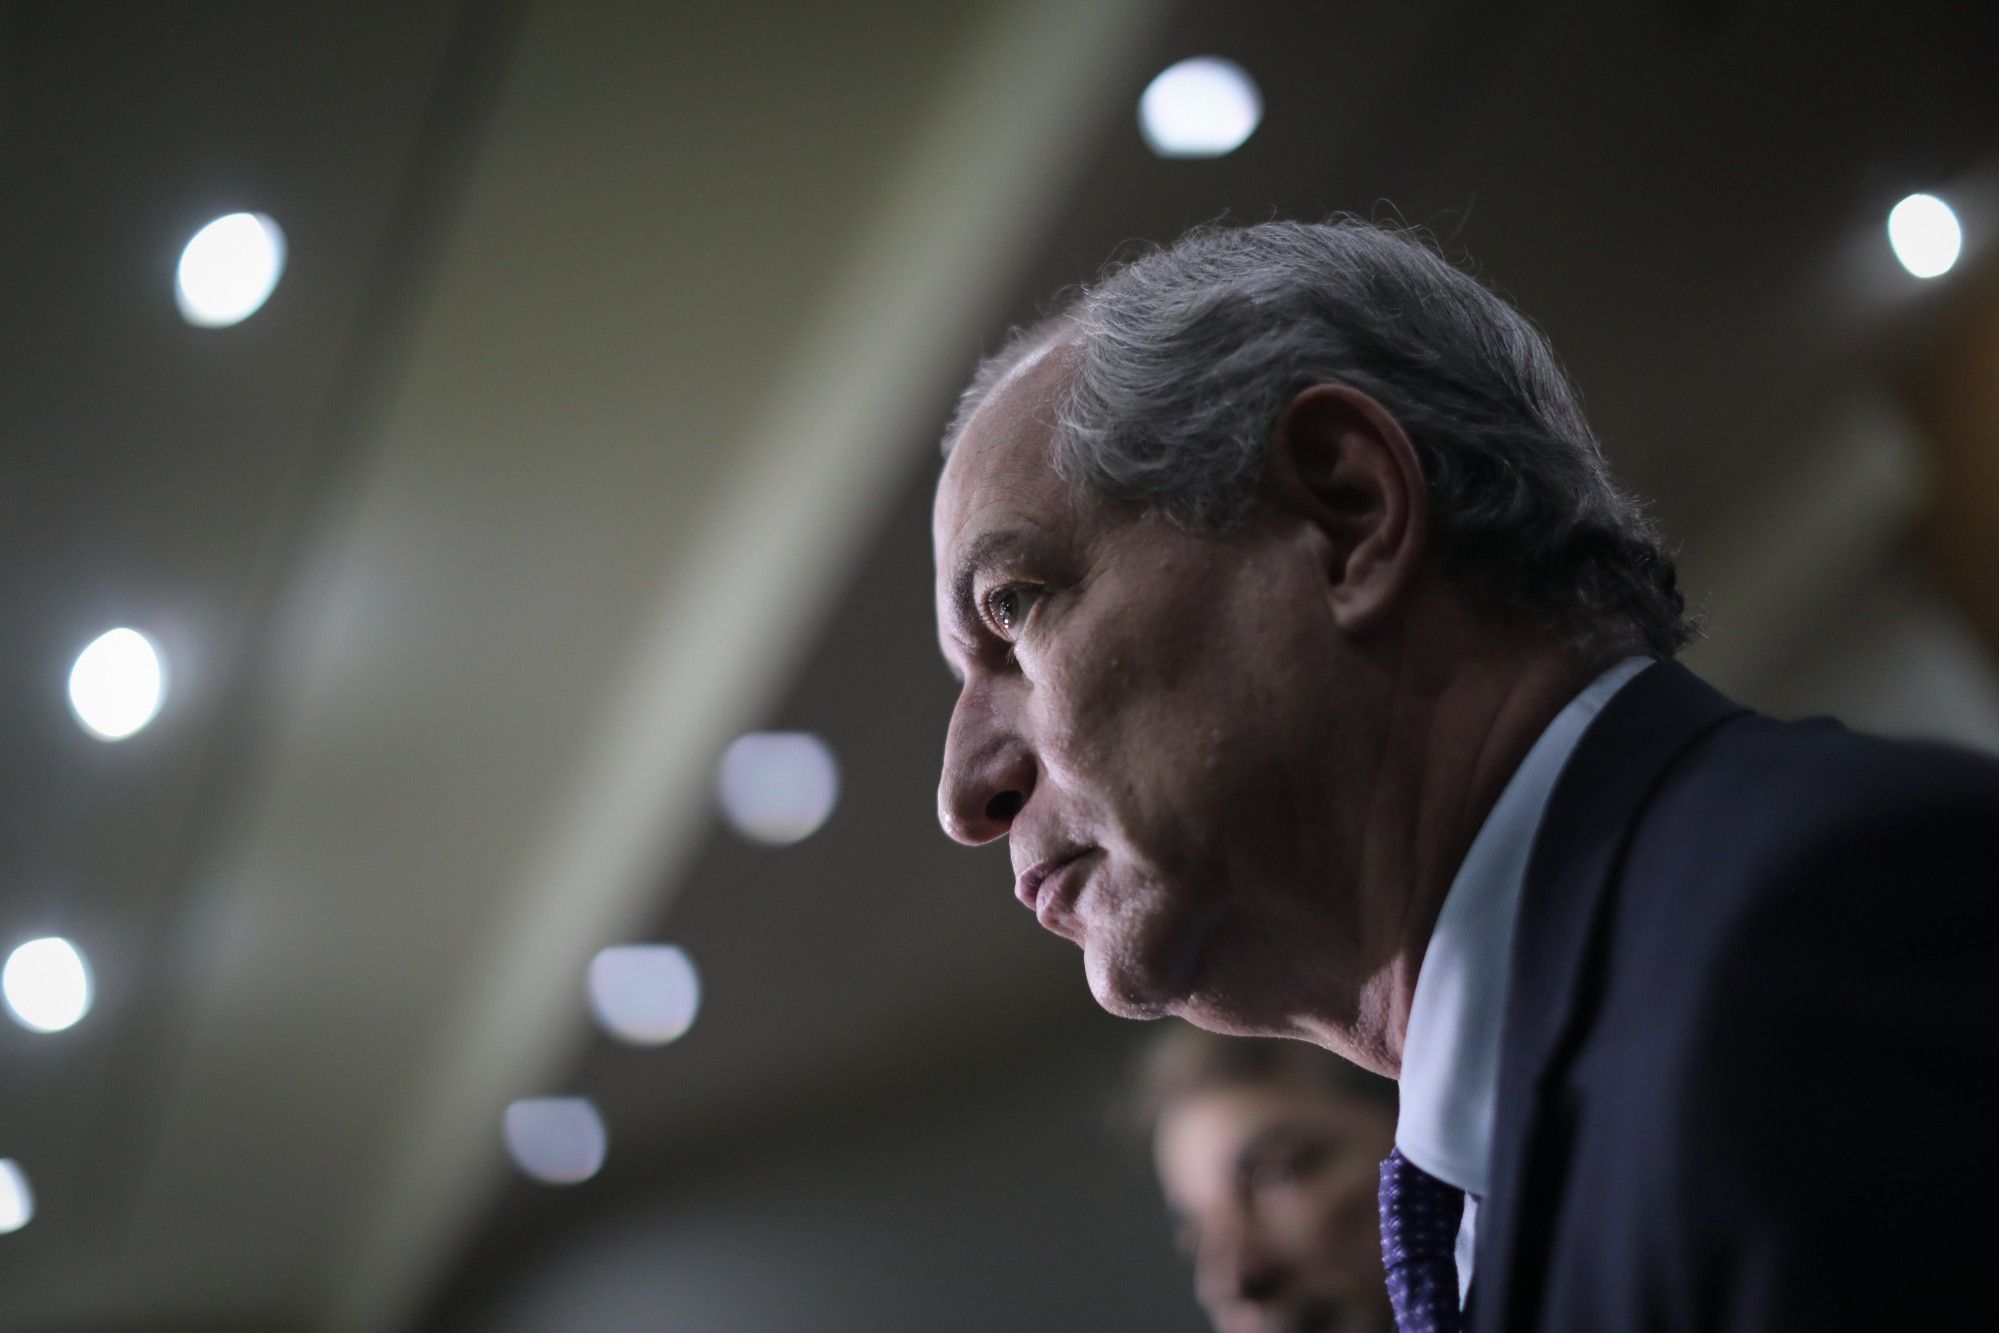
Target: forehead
[(1002, 471), (1201, 1135)]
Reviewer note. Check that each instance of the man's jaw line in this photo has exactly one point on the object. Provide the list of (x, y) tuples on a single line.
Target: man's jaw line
[(1172, 987), (1476, 725)]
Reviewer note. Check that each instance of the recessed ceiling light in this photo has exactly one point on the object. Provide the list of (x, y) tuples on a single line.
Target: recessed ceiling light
[(117, 684), (1925, 235), (1204, 106), (645, 994), (17, 1201), (229, 270), (46, 984), (556, 1140), (778, 787)]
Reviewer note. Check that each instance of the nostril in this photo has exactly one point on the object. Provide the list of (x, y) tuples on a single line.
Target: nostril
[(1261, 1287), (1002, 808)]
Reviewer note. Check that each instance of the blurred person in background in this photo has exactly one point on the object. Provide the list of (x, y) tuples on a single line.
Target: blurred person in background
[(1321, 681), (1268, 1152)]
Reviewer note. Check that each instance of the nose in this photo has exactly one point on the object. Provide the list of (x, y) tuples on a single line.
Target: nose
[(989, 774), (1235, 1266)]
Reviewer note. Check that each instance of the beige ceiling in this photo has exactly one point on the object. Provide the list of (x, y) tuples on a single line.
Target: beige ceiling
[(622, 400)]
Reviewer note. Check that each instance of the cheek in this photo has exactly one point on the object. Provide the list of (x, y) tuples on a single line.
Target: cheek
[(1169, 692), (1350, 1215), (1098, 705), (1335, 1214), (1181, 721)]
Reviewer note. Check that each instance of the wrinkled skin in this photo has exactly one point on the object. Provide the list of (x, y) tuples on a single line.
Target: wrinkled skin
[(1253, 759), (1272, 1187)]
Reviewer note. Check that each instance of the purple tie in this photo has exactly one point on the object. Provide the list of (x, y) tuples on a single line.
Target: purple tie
[(1419, 1242)]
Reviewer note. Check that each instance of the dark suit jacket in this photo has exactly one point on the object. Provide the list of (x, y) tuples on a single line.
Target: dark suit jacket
[(1752, 1033)]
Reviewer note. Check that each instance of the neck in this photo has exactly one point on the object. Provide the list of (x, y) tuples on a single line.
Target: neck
[(1453, 737)]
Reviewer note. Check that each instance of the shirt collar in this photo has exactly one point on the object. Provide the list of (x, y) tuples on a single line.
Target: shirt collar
[(1450, 1056)]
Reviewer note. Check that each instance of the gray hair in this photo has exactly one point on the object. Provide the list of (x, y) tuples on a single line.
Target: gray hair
[(1188, 354)]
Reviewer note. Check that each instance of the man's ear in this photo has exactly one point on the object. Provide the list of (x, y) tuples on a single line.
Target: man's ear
[(1342, 464)]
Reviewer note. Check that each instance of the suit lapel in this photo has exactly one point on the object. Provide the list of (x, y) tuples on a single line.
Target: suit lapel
[(1603, 787)]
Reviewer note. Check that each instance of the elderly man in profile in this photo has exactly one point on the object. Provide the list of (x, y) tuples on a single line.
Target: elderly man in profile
[(1321, 681)]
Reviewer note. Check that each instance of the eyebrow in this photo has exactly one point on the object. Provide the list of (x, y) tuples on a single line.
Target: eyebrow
[(1275, 1139), (985, 550)]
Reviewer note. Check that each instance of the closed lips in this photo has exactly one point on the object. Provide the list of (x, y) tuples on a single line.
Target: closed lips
[(1028, 887)]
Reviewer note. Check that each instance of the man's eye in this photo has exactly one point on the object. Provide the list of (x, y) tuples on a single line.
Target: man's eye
[(1008, 607)]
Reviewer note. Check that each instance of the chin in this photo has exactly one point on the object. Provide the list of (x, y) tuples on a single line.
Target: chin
[(1123, 994), (1151, 972), (1233, 995)]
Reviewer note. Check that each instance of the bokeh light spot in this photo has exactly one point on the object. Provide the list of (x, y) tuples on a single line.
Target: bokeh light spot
[(229, 269), (1204, 106), (778, 787), (117, 684), (556, 1140), (17, 1201), (645, 994), (1925, 235), (46, 985)]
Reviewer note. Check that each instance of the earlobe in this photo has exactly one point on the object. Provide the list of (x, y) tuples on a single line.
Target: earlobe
[(1341, 463)]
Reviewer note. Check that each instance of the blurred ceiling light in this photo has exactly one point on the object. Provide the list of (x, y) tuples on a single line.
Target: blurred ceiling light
[(778, 787), (1925, 234), (556, 1140), (1204, 106), (116, 686), (46, 985), (645, 994), (229, 270), (17, 1201)]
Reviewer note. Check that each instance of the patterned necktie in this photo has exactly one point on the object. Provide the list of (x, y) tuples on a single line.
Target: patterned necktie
[(1419, 1241)]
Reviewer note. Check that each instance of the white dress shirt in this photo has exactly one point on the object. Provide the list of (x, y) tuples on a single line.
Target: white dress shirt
[(1450, 1057)]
